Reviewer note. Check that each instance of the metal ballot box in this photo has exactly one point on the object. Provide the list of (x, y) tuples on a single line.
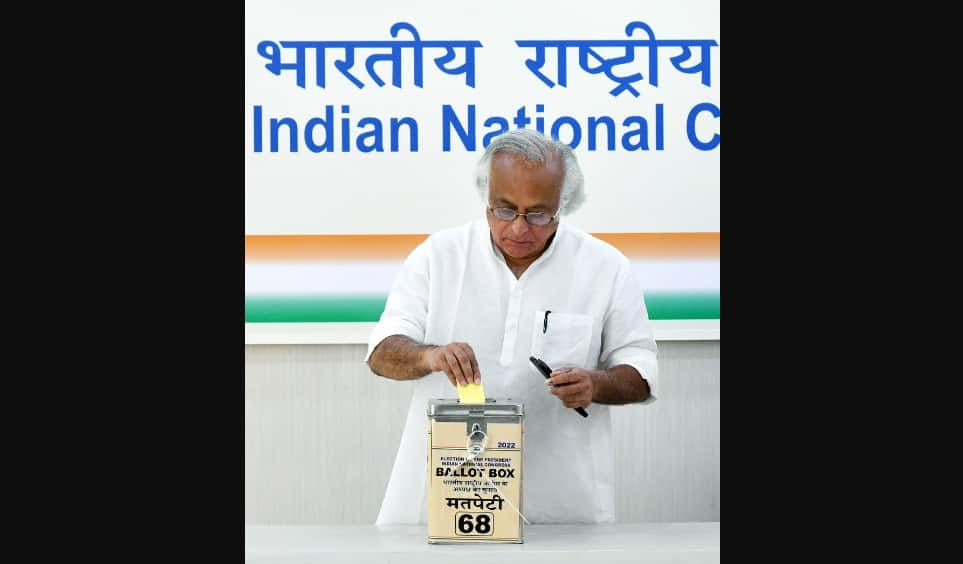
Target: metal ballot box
[(475, 471)]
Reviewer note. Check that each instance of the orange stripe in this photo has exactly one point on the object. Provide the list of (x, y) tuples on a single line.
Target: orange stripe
[(664, 245), (279, 248), (306, 248)]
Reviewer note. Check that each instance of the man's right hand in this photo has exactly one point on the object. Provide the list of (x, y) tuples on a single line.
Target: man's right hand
[(457, 361)]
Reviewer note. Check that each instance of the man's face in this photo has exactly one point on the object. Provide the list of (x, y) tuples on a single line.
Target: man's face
[(517, 185)]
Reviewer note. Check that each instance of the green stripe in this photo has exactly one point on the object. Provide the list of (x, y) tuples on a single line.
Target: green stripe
[(331, 308), (292, 309), (692, 304)]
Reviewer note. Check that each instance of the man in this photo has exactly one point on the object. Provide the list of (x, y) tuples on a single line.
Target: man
[(472, 303)]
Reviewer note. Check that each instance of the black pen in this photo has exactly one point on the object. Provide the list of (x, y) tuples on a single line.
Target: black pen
[(547, 373)]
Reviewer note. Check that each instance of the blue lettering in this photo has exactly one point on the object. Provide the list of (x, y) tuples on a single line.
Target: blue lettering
[(449, 119), (503, 127), (690, 127)]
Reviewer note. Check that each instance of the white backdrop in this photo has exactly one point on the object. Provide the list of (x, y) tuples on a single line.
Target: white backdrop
[(672, 189)]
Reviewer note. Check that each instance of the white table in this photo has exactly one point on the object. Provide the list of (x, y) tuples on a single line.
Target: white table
[(587, 544)]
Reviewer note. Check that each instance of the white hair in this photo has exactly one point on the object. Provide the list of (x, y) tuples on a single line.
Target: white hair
[(535, 148)]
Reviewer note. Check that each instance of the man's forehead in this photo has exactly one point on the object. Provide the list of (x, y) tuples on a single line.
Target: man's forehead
[(532, 197), (508, 201), (513, 179)]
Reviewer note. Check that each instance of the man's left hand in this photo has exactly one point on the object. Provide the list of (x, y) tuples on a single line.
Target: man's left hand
[(574, 386)]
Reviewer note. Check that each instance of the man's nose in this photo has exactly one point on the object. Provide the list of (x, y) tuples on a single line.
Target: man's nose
[(519, 225)]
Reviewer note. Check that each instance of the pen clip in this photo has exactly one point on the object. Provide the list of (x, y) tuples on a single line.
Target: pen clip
[(545, 322)]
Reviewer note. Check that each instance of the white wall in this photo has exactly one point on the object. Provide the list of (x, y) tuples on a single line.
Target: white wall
[(297, 191), (321, 434)]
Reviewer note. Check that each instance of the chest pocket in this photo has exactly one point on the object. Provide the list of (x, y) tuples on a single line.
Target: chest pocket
[(565, 340)]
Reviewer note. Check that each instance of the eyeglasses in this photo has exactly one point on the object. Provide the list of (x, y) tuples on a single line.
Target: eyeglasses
[(538, 219)]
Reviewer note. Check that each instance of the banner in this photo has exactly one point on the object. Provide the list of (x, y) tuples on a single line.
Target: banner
[(363, 123)]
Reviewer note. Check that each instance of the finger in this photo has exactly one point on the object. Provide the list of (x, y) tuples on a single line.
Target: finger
[(451, 379), (442, 366), (464, 362), (575, 402), (567, 392), (455, 368), (465, 356), (560, 379), (447, 370), (474, 365)]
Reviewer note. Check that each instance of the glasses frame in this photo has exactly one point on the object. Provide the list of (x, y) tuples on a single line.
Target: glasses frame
[(551, 219)]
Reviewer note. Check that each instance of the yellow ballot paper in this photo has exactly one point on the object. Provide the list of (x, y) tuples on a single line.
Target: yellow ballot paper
[(472, 393)]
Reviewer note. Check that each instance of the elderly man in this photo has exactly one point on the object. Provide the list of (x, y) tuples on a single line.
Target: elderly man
[(473, 303)]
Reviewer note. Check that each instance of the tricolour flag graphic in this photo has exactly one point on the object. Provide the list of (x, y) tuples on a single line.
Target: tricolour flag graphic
[(346, 278)]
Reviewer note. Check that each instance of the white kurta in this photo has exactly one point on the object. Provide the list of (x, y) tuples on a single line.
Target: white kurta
[(456, 287)]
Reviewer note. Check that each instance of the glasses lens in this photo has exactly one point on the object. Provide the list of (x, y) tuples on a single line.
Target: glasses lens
[(504, 214), (538, 219)]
